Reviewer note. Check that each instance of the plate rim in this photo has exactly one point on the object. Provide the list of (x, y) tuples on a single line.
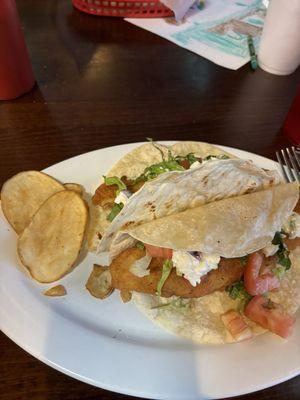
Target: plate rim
[(86, 379)]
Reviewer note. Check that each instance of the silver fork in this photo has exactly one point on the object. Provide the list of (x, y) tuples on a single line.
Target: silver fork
[(289, 161)]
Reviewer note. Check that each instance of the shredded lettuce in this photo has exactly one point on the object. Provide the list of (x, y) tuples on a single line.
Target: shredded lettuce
[(218, 157), (154, 144), (283, 254), (140, 245), (191, 158), (114, 180), (164, 305), (156, 169), (115, 211), (244, 260), (238, 291), (277, 240), (167, 268), (178, 304), (279, 271), (152, 172), (171, 164)]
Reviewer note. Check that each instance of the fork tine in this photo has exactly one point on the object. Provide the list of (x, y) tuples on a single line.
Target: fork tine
[(286, 178), (296, 157), (295, 168), (288, 166)]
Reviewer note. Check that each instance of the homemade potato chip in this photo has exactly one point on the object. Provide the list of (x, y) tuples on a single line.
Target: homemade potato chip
[(22, 195), (75, 187), (56, 291), (50, 245), (99, 282)]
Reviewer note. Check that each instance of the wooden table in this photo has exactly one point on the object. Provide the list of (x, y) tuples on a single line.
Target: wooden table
[(102, 82)]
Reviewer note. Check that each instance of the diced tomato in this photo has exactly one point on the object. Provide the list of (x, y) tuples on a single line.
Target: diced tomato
[(159, 252), (270, 316), (256, 282), (235, 324), (185, 164)]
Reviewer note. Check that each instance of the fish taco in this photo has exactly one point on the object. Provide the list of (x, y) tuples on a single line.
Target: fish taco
[(144, 163), (206, 245)]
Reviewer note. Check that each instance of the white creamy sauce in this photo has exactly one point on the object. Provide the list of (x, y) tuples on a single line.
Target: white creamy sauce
[(195, 164), (140, 267), (292, 226), (122, 197), (270, 250), (193, 268)]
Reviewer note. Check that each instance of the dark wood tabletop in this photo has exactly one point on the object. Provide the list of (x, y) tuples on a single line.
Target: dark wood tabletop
[(101, 82)]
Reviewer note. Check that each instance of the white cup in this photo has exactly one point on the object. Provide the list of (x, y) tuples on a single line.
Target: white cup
[(279, 51)]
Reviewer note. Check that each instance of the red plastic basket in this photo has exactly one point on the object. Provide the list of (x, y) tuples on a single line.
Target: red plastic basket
[(126, 8)]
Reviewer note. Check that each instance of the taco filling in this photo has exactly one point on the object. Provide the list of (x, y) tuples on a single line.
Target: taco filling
[(205, 244)]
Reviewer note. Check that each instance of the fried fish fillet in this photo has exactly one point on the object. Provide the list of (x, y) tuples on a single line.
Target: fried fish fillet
[(105, 194), (229, 271)]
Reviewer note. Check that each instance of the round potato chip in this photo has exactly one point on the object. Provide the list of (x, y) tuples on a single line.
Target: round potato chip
[(99, 282), (22, 195), (50, 245)]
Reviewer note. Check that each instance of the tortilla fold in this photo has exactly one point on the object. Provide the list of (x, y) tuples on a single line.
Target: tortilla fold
[(231, 227), (175, 192)]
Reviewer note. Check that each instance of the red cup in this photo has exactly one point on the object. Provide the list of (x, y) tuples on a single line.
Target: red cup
[(16, 76)]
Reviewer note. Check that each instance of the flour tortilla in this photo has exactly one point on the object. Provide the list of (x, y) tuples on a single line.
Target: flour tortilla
[(200, 149), (201, 322), (132, 165), (175, 192), (231, 227)]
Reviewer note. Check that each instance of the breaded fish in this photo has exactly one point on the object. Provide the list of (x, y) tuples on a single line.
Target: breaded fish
[(105, 194), (229, 271)]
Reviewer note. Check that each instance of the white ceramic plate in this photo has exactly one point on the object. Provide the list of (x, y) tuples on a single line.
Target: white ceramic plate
[(110, 344)]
